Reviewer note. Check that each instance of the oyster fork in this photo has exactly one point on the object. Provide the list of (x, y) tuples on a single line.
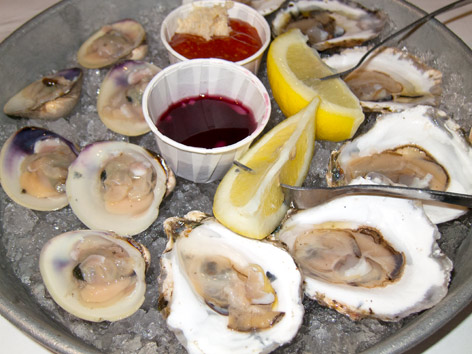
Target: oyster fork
[(418, 22), (307, 197)]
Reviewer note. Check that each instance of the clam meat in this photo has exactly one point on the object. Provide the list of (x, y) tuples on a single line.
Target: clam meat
[(389, 80), (34, 165), (120, 97), (368, 256), (224, 293), (418, 147), (118, 186), (125, 39), (51, 97), (95, 275), (330, 23)]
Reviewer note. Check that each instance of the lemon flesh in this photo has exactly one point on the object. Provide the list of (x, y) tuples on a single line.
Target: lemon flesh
[(293, 69), (251, 203)]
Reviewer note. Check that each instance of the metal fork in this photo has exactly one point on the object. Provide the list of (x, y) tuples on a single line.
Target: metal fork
[(303, 198), (418, 22)]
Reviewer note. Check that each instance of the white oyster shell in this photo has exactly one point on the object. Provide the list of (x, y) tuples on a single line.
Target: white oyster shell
[(34, 164), (343, 23), (426, 271), (120, 97), (111, 268), (422, 127), (390, 80), (127, 202), (199, 327)]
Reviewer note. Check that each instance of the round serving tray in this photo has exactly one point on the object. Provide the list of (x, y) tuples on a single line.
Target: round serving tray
[(49, 42)]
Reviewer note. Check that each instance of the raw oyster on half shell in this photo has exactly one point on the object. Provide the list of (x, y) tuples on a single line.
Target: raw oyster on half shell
[(125, 39), (51, 97), (390, 80), (368, 256), (118, 186), (95, 275), (34, 165), (120, 97), (330, 23), (418, 147), (224, 293)]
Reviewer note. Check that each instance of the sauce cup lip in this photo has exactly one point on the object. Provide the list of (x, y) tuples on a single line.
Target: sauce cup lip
[(259, 18), (210, 62)]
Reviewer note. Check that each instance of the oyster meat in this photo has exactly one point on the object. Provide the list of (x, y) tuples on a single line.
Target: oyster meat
[(118, 186), (34, 164), (418, 147), (390, 79), (125, 39), (51, 97), (224, 293), (120, 97), (330, 23), (368, 256), (95, 275)]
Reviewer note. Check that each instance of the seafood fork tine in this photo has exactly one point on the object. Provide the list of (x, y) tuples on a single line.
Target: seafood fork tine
[(418, 22), (304, 198)]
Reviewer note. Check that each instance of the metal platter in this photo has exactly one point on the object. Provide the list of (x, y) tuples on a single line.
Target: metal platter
[(49, 42)]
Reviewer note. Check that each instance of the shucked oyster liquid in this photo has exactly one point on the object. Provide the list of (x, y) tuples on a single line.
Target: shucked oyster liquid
[(207, 121)]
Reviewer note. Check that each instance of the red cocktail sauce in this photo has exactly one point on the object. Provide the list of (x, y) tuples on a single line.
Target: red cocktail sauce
[(242, 42)]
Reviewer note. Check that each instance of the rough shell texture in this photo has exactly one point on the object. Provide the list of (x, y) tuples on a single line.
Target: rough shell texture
[(192, 320), (426, 271)]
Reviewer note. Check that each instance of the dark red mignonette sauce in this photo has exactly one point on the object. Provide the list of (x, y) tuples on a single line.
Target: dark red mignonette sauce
[(207, 121), (242, 42)]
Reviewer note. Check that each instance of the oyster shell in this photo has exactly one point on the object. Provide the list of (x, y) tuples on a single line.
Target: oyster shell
[(330, 23), (390, 80), (125, 39), (34, 164), (418, 147), (118, 186), (95, 275), (223, 293), (120, 97), (368, 256), (51, 97)]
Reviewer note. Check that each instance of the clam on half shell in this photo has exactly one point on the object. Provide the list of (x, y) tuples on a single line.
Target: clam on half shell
[(51, 97), (95, 275), (368, 256), (125, 39), (120, 97), (224, 293), (118, 186), (34, 164), (419, 147)]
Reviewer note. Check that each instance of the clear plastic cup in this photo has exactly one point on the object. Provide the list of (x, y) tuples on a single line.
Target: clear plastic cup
[(193, 78), (238, 11)]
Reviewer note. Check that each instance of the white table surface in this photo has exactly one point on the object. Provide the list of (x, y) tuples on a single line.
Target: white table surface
[(454, 338)]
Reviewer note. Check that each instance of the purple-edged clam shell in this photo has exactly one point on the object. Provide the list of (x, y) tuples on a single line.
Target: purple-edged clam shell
[(51, 97), (120, 97), (24, 144)]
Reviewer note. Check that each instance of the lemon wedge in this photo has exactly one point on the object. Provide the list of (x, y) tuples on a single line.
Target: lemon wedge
[(293, 69), (251, 203)]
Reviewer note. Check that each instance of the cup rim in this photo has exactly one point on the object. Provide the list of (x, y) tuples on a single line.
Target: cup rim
[(208, 62), (258, 16)]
